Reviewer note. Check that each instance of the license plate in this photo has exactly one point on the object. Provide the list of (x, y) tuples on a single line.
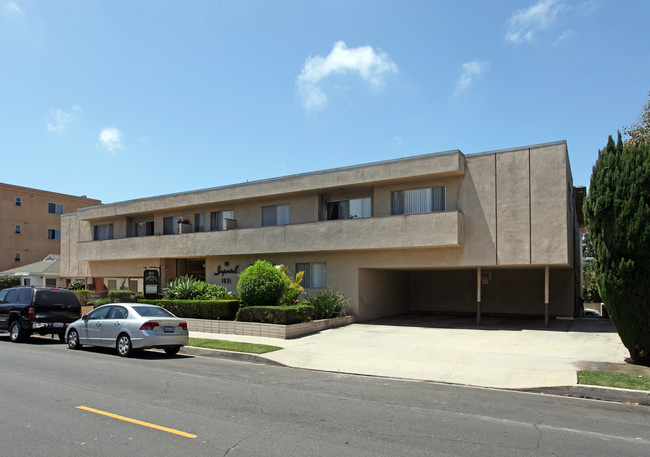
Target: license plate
[(168, 329), (57, 324)]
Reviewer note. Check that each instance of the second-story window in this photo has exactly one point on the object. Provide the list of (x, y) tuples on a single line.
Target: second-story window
[(172, 225), (53, 234), (103, 232), (18, 229), (199, 222), (54, 208), (275, 215), (144, 228), (414, 201), (349, 209), (19, 201), (218, 219)]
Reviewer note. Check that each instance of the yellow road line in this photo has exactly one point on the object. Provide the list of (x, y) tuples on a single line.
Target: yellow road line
[(135, 421)]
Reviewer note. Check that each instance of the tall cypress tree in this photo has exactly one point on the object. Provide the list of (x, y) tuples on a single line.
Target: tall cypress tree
[(617, 213)]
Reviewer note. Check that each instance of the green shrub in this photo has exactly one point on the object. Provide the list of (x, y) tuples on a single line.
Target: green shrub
[(120, 296), (9, 281), (199, 309), (190, 288), (100, 302), (292, 289), (261, 284), (77, 284), (327, 303), (83, 295), (276, 314)]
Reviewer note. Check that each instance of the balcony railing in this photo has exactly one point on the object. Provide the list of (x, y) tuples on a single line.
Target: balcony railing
[(407, 231)]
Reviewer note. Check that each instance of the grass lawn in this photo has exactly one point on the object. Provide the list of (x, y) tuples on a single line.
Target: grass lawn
[(614, 379), (232, 346)]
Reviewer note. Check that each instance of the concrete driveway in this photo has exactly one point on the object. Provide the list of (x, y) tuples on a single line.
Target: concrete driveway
[(502, 352)]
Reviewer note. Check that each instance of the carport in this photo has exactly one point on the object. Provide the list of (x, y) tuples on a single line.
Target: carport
[(526, 291)]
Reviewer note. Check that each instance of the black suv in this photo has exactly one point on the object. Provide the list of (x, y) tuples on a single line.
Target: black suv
[(42, 310)]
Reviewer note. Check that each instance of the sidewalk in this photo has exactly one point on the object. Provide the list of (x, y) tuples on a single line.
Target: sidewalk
[(503, 353)]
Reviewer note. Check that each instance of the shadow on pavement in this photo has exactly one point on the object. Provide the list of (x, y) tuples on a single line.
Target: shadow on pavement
[(516, 323)]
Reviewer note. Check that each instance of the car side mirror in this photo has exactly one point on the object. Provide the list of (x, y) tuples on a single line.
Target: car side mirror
[(85, 317)]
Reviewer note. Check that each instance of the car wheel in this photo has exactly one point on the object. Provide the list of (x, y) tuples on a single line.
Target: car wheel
[(16, 332), (173, 350), (123, 345), (73, 340)]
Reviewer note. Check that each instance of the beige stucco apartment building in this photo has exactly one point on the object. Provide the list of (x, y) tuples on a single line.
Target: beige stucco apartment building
[(30, 223), (494, 232)]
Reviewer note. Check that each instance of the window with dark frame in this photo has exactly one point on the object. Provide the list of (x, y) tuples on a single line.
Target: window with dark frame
[(17, 230), (103, 232), (415, 201), (17, 257), (54, 208), (144, 228), (275, 215), (19, 201), (53, 234), (218, 219), (315, 274)]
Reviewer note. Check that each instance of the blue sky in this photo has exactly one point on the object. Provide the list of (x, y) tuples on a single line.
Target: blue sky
[(127, 99)]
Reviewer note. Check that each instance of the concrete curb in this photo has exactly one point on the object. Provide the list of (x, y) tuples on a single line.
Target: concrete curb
[(613, 394), (220, 354), (578, 391)]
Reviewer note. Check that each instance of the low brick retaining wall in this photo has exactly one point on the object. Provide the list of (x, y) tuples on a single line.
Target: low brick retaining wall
[(267, 330)]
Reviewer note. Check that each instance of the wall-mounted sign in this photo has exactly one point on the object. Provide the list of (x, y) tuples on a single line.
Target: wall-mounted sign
[(227, 274)]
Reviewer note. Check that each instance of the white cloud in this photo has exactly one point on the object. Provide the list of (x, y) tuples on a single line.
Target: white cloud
[(111, 139), (372, 65), (565, 36), (61, 120), (524, 24), (12, 8), (469, 72)]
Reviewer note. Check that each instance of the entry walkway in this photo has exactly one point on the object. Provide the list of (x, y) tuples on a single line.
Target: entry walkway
[(504, 353)]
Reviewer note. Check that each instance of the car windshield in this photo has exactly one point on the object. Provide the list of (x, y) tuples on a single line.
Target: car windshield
[(152, 311)]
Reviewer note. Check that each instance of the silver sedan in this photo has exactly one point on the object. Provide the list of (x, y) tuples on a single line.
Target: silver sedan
[(128, 327)]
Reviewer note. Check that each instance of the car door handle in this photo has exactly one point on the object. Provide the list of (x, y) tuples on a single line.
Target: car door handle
[(117, 323), (98, 324)]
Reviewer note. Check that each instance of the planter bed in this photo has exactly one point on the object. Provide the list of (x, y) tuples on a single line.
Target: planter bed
[(267, 330)]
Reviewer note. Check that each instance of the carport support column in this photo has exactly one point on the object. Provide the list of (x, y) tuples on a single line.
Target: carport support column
[(478, 296), (546, 294)]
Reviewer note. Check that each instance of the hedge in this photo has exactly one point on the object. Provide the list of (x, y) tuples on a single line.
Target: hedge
[(199, 309), (83, 295), (285, 315), (120, 296)]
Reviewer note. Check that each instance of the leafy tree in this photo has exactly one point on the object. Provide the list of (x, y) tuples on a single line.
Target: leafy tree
[(9, 281), (639, 132), (617, 213)]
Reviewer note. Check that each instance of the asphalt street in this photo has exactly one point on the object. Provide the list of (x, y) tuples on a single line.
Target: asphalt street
[(244, 409)]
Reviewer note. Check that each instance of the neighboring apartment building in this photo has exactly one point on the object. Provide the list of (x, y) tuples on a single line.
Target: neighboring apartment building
[(494, 232), (30, 223)]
